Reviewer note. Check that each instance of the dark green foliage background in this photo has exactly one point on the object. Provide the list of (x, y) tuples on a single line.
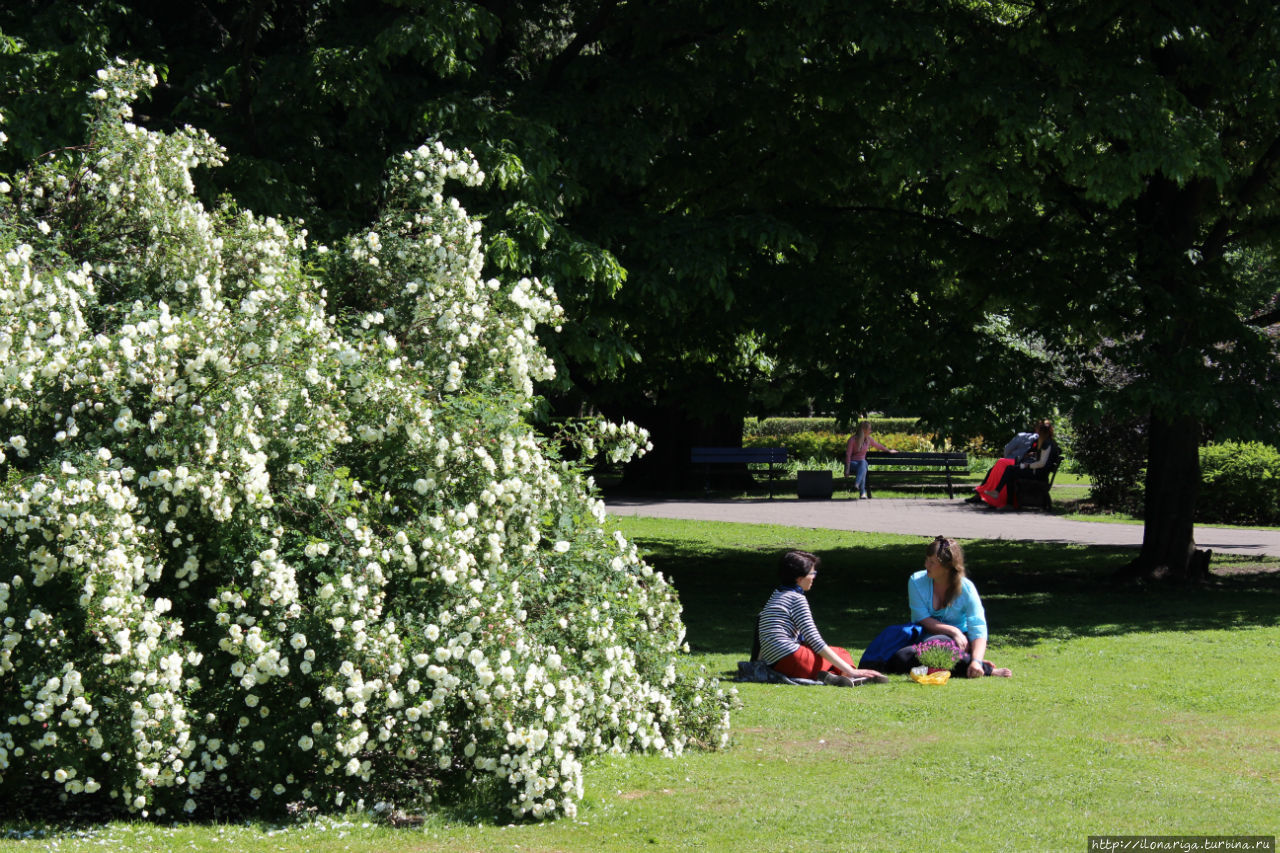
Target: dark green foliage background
[(979, 212)]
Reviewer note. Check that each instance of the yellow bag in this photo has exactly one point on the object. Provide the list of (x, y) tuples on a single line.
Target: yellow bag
[(939, 677)]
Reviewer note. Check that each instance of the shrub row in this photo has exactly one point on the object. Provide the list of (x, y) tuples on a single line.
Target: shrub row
[(1240, 483), (830, 445), (790, 426)]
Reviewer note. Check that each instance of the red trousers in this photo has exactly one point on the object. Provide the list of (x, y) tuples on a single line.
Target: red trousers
[(993, 480), (805, 663)]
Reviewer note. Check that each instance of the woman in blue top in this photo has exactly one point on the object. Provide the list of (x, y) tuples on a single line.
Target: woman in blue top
[(945, 603)]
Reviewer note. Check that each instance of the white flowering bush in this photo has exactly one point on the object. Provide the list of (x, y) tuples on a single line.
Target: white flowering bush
[(274, 527)]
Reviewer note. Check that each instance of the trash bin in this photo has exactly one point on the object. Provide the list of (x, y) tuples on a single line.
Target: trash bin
[(814, 484)]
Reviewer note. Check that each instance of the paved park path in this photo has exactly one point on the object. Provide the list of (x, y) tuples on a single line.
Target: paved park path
[(933, 517)]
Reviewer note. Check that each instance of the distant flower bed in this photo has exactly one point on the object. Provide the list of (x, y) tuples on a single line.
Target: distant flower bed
[(818, 439), (827, 445), (789, 426)]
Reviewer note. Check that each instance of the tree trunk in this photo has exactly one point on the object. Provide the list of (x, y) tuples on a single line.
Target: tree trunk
[(673, 433), (1173, 482)]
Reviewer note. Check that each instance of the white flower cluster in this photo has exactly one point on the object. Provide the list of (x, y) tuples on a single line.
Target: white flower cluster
[(270, 534), (596, 436)]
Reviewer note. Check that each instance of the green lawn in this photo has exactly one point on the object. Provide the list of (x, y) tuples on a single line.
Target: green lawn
[(1131, 712), (1070, 493)]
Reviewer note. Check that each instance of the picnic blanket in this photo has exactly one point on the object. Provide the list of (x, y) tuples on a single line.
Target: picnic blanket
[(761, 673)]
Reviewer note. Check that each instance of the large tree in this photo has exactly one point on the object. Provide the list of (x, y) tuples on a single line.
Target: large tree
[(1120, 162), (973, 209), (712, 153)]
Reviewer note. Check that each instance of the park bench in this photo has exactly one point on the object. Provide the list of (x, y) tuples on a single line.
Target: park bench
[(1032, 492), (708, 456), (932, 461)]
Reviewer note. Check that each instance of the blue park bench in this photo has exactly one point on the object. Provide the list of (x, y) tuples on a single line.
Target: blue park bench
[(708, 456)]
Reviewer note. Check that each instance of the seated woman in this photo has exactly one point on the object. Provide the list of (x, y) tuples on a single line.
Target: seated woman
[(995, 488), (1020, 448), (945, 603), (787, 639)]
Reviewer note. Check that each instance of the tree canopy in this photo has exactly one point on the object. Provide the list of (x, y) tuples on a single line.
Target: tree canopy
[(978, 212), (1120, 164)]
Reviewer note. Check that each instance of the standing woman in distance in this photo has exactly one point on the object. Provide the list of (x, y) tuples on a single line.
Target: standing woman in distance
[(855, 455)]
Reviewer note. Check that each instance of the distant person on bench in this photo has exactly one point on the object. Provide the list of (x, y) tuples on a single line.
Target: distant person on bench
[(1021, 448), (997, 494), (855, 455)]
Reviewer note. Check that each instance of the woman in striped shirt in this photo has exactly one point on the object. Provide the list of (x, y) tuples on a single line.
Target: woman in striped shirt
[(787, 639)]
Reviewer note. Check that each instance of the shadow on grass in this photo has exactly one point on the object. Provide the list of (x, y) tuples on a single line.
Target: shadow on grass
[(1031, 591)]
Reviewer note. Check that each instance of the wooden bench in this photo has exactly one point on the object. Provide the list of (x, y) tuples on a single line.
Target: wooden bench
[(708, 456), (1033, 492), (933, 461)]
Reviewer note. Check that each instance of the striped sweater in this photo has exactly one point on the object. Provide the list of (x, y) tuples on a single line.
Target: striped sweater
[(785, 623)]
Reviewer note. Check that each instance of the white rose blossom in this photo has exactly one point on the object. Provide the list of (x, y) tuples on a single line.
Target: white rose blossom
[(311, 551)]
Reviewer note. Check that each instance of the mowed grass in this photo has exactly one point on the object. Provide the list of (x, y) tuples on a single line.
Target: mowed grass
[(1132, 711)]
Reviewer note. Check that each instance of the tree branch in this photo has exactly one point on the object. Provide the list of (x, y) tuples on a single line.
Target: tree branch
[(584, 37), (910, 214), (1269, 318), (1263, 172)]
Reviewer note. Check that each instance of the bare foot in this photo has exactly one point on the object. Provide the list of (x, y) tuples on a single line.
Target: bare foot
[(1002, 672)]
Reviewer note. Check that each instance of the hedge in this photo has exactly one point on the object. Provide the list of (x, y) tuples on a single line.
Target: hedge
[(790, 426), (829, 445), (1240, 483)]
